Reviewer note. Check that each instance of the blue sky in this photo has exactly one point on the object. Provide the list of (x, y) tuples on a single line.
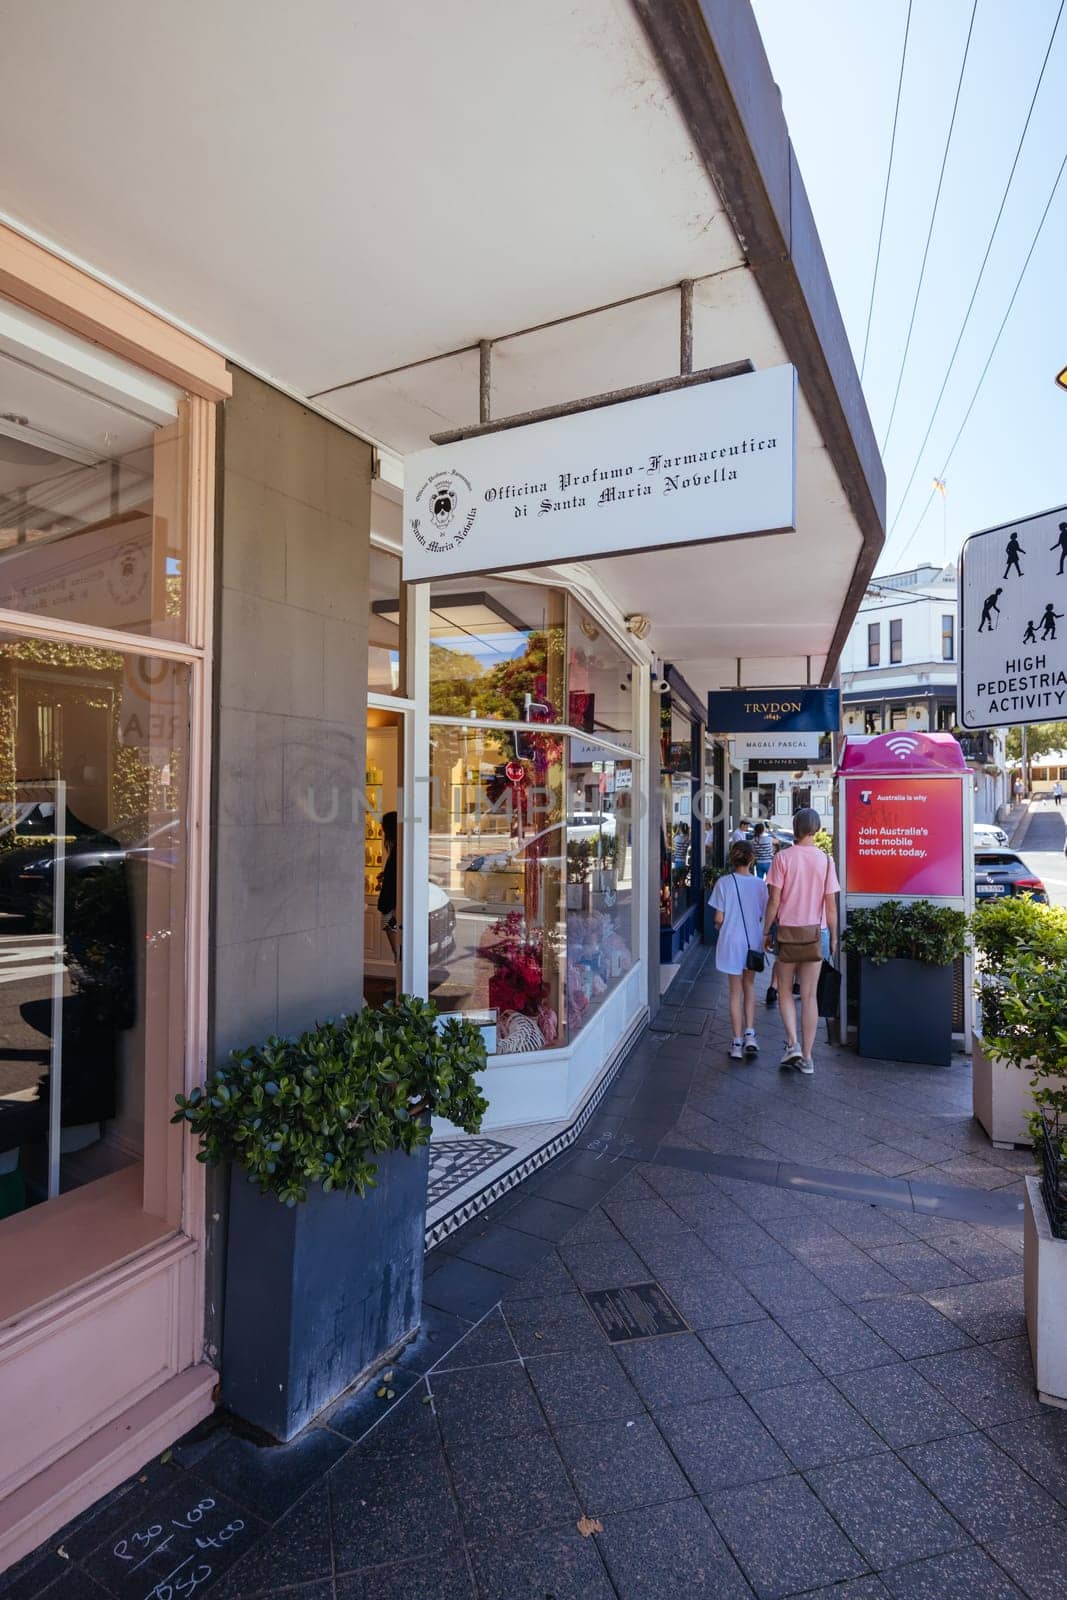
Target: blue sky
[(837, 62)]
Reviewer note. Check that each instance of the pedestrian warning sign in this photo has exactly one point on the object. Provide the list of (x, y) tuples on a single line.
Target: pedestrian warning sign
[(1013, 623)]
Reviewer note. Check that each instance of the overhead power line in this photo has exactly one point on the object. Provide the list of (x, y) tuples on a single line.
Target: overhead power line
[(981, 270), (992, 353), (930, 230), (885, 192)]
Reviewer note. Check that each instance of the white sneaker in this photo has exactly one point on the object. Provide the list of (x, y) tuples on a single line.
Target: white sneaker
[(751, 1046), (806, 1065), (792, 1055), (736, 1052)]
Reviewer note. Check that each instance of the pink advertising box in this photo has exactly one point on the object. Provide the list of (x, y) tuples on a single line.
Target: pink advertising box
[(904, 815)]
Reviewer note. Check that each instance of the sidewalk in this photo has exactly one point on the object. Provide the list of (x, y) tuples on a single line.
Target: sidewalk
[(843, 1407)]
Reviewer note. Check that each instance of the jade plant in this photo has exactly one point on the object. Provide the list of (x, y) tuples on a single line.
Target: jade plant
[(319, 1108), (906, 931)]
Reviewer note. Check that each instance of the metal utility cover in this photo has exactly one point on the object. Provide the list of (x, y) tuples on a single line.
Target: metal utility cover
[(635, 1311), (1013, 622)]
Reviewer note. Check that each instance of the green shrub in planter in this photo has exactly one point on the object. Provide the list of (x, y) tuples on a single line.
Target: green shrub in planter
[(1033, 1035), (906, 952), (319, 1293), (913, 931), (1010, 926), (1006, 931), (320, 1107)]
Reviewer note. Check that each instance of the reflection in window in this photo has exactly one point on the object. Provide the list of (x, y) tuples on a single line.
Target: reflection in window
[(601, 930), (92, 784), (677, 785), (896, 639), (385, 653), (948, 637), (496, 851), (497, 651), (533, 843), (599, 679), (92, 502)]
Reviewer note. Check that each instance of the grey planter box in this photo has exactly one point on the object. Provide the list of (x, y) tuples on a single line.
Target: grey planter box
[(905, 1012), (318, 1294)]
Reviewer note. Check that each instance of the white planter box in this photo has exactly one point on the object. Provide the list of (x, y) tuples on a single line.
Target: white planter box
[(1045, 1289), (1002, 1097)]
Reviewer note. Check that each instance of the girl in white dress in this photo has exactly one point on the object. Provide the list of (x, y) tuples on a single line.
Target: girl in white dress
[(739, 901)]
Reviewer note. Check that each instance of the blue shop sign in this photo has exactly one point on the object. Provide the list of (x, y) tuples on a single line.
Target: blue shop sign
[(783, 710)]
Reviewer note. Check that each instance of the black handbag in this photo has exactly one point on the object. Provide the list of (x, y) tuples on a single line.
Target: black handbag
[(828, 991), (755, 961)]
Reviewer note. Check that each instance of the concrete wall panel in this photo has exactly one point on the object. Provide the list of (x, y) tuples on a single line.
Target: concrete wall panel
[(291, 676)]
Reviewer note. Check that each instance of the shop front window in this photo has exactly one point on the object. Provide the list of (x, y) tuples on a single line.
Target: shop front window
[(497, 651), (601, 839), (599, 679), (93, 494), (497, 841), (677, 820), (533, 860), (385, 650), (93, 779)]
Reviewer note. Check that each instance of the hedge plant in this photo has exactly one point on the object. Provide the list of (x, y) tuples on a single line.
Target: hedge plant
[(320, 1107), (1032, 1035), (1013, 924), (1007, 931), (915, 930)]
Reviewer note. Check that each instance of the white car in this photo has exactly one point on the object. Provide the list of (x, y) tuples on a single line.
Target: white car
[(987, 836)]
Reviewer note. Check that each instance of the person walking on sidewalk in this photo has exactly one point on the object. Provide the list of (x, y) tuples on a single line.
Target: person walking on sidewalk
[(802, 884), (739, 901), (764, 846)]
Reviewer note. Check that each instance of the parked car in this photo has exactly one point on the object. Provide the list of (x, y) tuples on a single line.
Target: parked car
[(1001, 872), (442, 925), (987, 836), (26, 872)]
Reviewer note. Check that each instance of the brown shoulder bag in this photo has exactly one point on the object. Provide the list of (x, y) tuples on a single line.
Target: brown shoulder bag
[(802, 942)]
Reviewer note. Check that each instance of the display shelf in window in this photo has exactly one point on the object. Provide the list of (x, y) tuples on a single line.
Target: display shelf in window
[(373, 833)]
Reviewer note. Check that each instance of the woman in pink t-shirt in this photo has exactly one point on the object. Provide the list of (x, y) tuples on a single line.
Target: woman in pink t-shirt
[(802, 884)]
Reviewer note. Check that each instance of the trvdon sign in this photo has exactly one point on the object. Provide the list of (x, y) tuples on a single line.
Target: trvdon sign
[(774, 710), (1013, 622), (710, 461)]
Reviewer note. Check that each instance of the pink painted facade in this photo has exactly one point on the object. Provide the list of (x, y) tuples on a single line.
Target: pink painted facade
[(101, 1252)]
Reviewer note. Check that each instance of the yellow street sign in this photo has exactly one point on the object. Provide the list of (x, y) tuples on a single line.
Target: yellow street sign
[(1061, 378)]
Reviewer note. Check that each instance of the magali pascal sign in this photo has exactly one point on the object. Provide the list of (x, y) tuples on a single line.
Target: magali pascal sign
[(706, 462)]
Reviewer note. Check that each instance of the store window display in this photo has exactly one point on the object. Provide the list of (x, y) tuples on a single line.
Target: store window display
[(601, 928), (678, 851), (531, 830), (496, 826), (382, 855), (93, 758)]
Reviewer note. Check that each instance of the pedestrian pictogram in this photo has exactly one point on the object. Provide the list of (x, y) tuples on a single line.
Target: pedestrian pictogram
[(1013, 606)]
